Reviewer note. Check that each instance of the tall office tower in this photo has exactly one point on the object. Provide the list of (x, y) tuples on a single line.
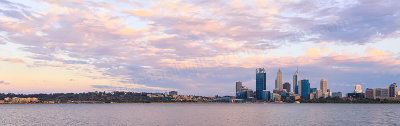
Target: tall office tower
[(286, 86), (305, 89), (295, 82), (299, 87), (278, 81), (238, 88), (393, 90), (358, 89), (261, 82), (323, 85), (370, 93)]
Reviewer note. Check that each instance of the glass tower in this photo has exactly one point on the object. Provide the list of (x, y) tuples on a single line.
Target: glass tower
[(260, 82), (305, 89), (295, 82)]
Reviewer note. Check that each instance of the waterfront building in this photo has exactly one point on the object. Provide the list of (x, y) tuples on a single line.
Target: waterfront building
[(393, 90), (355, 95), (305, 89), (358, 89), (261, 76), (238, 88), (382, 92), (337, 94), (286, 86), (318, 94), (265, 94), (250, 94), (311, 96), (296, 81), (323, 85), (171, 93), (370, 93), (278, 80), (276, 97), (313, 90)]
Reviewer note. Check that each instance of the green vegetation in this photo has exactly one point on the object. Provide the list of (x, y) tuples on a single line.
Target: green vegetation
[(117, 97)]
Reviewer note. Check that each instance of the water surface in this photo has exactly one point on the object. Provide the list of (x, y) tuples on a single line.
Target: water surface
[(200, 114)]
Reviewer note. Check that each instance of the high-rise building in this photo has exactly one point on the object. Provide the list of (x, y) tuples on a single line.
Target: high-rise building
[(323, 85), (286, 86), (370, 93), (238, 88), (305, 89), (261, 82), (299, 87), (393, 90), (278, 81), (295, 81), (358, 89)]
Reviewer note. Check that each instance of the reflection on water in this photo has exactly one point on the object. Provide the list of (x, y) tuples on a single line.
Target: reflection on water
[(200, 114)]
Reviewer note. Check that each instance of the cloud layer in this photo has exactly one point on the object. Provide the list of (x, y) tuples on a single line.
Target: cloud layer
[(203, 47)]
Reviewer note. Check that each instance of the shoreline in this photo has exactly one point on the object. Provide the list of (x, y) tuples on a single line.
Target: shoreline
[(187, 103)]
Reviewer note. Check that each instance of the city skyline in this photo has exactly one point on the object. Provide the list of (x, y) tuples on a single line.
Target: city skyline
[(195, 47)]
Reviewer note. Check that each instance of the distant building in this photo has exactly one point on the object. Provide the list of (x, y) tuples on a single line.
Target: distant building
[(276, 97), (393, 90), (358, 89), (299, 86), (250, 94), (261, 82), (265, 94), (172, 93), (382, 92), (278, 81), (337, 94), (296, 82), (313, 90), (318, 94), (305, 89), (355, 95), (323, 85), (238, 88), (370, 93), (311, 96), (286, 86)]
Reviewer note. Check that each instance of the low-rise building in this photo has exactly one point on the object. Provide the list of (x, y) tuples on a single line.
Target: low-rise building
[(337, 94)]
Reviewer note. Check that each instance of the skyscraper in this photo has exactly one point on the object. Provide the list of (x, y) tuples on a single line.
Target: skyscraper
[(261, 82), (238, 88), (305, 89), (393, 90), (286, 86), (295, 81), (323, 85), (358, 89), (299, 87), (278, 81)]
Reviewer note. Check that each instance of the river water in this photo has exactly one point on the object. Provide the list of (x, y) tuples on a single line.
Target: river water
[(200, 114)]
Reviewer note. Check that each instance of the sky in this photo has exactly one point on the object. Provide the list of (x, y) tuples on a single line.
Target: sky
[(197, 47)]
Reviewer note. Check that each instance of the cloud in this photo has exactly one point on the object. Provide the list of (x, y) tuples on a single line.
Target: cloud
[(13, 60), (200, 46), (4, 83)]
